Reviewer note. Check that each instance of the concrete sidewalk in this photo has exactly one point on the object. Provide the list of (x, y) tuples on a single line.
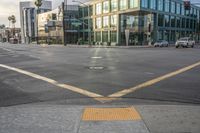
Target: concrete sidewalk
[(42, 118)]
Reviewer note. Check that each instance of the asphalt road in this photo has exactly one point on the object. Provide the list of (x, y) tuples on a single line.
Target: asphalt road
[(32, 74), (116, 70)]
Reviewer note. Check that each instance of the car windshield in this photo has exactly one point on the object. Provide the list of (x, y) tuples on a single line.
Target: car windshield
[(183, 39)]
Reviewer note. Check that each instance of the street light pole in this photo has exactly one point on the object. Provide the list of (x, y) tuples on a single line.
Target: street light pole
[(89, 26)]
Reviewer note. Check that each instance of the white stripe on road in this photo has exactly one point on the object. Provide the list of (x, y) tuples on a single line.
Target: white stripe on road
[(51, 81)]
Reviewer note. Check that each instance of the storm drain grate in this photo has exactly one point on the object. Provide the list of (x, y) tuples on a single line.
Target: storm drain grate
[(110, 114)]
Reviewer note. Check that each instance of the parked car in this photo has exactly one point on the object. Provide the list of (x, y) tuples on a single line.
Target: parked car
[(161, 43), (13, 41), (185, 42)]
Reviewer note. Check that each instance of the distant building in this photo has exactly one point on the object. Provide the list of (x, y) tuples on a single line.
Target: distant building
[(10, 33), (72, 24), (28, 18), (50, 26), (141, 22)]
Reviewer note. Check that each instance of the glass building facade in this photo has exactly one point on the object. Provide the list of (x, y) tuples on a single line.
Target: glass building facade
[(145, 20)]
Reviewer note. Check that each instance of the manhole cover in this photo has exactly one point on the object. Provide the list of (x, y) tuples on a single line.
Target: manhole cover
[(96, 67)]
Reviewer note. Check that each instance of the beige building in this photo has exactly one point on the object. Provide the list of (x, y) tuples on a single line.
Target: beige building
[(50, 27)]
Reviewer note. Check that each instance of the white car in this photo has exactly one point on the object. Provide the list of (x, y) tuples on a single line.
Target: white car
[(161, 43), (185, 42)]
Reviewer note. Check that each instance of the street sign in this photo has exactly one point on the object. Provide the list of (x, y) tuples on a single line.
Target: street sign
[(76, 23)]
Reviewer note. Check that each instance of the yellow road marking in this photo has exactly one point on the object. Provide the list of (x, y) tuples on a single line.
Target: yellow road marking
[(150, 82), (110, 114), (51, 81)]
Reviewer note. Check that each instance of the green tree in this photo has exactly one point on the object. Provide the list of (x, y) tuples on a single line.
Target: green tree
[(2, 26), (38, 4)]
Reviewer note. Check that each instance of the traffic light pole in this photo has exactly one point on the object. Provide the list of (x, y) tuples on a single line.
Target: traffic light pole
[(64, 33)]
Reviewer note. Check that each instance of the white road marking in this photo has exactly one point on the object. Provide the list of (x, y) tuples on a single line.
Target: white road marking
[(51, 81), (151, 82)]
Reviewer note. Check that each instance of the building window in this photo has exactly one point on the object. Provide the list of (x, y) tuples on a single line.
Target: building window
[(98, 36), (113, 36), (153, 4), (182, 10), (166, 35), (173, 7), (191, 24), (166, 20), (98, 8), (173, 21), (178, 8), (123, 4), (167, 5), (114, 4), (160, 5), (105, 36), (173, 35), (183, 22), (105, 21), (145, 3), (86, 24), (178, 22), (113, 20), (187, 23), (160, 20), (191, 12), (98, 23), (187, 12), (133, 3), (195, 12), (160, 35), (106, 7)]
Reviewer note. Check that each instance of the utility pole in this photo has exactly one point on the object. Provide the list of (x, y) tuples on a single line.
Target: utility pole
[(64, 33)]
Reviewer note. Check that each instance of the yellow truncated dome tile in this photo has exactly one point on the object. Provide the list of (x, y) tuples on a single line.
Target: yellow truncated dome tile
[(110, 114)]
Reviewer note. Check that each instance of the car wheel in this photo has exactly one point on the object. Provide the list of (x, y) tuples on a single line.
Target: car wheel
[(192, 46), (177, 46)]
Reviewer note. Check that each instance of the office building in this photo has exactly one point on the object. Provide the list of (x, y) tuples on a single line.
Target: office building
[(28, 20)]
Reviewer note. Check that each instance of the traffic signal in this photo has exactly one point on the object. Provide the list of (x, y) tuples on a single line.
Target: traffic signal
[(187, 5)]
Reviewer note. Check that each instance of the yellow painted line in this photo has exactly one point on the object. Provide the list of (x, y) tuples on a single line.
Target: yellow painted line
[(51, 81), (150, 82), (110, 114)]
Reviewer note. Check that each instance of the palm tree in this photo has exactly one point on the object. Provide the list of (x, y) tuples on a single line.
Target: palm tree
[(9, 19), (2, 26), (38, 4), (13, 21)]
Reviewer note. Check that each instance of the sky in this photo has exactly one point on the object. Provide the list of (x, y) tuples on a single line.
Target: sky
[(11, 7)]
